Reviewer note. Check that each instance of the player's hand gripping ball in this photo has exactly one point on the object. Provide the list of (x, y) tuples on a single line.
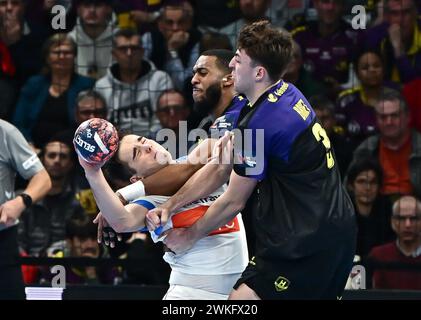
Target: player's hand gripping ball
[(96, 140)]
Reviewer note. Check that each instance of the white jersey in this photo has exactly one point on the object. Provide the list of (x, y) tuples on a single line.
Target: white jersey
[(223, 251)]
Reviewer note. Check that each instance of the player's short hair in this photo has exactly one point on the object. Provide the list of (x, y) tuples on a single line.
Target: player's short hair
[(223, 58), (268, 46)]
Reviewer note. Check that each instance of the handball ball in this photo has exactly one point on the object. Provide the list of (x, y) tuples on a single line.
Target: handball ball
[(96, 140)]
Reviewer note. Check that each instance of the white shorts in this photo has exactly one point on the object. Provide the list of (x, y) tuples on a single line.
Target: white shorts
[(178, 292)]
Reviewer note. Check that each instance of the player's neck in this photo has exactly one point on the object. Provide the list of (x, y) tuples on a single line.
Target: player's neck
[(258, 90)]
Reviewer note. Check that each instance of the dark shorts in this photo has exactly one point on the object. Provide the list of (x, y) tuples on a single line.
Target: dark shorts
[(320, 276)]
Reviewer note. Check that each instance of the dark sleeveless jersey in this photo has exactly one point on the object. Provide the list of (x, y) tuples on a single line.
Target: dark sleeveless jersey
[(299, 206)]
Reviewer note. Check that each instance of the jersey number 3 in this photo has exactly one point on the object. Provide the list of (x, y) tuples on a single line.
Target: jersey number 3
[(320, 134)]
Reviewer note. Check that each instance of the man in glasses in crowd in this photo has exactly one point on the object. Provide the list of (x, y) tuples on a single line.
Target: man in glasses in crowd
[(406, 222)]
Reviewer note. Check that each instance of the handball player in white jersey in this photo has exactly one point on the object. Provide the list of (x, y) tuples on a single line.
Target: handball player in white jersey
[(212, 266)]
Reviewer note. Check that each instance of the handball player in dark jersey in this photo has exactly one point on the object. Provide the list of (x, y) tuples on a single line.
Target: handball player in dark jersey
[(303, 217)]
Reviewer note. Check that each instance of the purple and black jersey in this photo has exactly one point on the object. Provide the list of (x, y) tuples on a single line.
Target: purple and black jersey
[(283, 114), (299, 203)]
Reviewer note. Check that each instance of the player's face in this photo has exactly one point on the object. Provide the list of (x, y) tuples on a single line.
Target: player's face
[(142, 156), (243, 72), (370, 70), (207, 84), (366, 187)]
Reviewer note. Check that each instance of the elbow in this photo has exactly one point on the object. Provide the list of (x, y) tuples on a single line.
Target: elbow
[(120, 226), (124, 225)]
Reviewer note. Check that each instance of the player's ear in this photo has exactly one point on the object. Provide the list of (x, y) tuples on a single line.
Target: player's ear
[(227, 80), (260, 73)]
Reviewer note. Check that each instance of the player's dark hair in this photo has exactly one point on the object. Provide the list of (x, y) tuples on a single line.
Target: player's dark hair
[(268, 46)]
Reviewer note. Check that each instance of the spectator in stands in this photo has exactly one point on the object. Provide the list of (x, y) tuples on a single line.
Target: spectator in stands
[(39, 13), (213, 15), (81, 243), (132, 86), (399, 40), (343, 147), (251, 11), (24, 41), (93, 35), (283, 13), (90, 104), (396, 147), (300, 77), (373, 211), (328, 44), (44, 222), (412, 93), (47, 102), (140, 14), (171, 109), (355, 110), (173, 46), (406, 222)]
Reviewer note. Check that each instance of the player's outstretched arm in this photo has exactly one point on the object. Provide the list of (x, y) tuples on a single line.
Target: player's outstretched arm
[(170, 179), (121, 218)]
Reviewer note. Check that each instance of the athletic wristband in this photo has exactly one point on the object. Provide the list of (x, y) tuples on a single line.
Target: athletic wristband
[(132, 191)]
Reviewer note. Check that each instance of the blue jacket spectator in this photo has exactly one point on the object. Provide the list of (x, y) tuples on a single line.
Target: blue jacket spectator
[(46, 103)]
